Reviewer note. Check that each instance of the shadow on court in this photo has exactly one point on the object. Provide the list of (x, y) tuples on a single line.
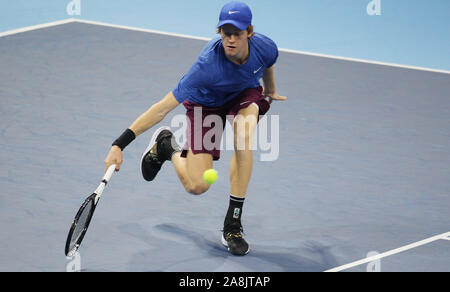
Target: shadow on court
[(166, 255)]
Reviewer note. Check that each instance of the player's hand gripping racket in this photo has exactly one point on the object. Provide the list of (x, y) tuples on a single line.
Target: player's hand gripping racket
[(81, 222)]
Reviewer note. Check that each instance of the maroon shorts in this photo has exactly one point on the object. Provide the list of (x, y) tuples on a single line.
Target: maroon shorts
[(203, 136)]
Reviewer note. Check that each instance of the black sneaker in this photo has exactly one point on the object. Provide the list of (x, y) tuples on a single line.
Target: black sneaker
[(233, 239), (160, 149)]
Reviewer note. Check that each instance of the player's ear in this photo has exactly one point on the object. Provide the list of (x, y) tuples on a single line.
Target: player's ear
[(250, 32)]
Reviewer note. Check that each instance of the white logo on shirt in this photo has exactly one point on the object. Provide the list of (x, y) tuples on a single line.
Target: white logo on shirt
[(256, 71), (233, 12)]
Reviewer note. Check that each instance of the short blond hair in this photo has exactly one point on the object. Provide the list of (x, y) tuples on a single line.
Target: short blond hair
[(249, 29)]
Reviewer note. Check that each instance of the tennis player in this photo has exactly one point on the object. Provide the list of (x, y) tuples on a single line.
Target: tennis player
[(224, 81)]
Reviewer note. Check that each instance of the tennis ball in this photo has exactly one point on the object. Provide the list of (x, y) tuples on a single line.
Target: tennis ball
[(210, 176)]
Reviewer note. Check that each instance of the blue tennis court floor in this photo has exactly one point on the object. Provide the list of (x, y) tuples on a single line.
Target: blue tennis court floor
[(363, 164)]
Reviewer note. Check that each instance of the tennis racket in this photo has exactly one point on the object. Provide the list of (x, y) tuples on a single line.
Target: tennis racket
[(81, 222)]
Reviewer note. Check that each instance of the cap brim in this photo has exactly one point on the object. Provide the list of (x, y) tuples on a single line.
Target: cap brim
[(240, 26)]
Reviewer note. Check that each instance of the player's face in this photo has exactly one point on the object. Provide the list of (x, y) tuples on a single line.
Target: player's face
[(235, 42)]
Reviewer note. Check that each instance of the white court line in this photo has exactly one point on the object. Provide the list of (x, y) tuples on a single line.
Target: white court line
[(35, 27), (280, 49), (391, 252), (208, 39), (143, 30), (364, 61)]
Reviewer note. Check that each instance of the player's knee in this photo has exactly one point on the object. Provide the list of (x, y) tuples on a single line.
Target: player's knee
[(244, 128), (243, 141), (198, 188)]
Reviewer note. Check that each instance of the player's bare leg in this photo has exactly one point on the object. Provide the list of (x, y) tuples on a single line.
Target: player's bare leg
[(241, 166), (163, 147), (242, 162), (190, 170)]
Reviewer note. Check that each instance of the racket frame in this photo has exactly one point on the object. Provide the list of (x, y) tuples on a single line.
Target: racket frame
[(94, 197)]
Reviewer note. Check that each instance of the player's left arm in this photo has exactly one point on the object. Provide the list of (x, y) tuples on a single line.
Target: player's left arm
[(269, 85)]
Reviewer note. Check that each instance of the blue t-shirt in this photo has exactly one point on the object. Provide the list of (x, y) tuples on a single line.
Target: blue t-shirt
[(214, 80)]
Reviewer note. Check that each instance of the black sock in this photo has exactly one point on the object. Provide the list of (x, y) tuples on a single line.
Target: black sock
[(234, 212)]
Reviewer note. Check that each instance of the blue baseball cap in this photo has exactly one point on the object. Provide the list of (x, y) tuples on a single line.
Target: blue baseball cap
[(235, 13)]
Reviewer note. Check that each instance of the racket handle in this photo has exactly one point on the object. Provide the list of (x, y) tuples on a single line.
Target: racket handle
[(109, 173), (105, 180)]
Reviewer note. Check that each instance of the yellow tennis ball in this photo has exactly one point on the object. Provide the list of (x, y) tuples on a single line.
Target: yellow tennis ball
[(210, 176)]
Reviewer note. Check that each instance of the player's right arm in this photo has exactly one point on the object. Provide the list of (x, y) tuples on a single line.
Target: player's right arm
[(145, 121), (154, 114)]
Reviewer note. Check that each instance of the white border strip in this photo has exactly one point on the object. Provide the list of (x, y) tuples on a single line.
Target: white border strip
[(35, 27), (280, 49), (208, 39), (364, 61), (143, 30), (391, 252)]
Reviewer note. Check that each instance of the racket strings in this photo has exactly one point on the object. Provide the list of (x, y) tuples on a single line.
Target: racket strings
[(81, 224)]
